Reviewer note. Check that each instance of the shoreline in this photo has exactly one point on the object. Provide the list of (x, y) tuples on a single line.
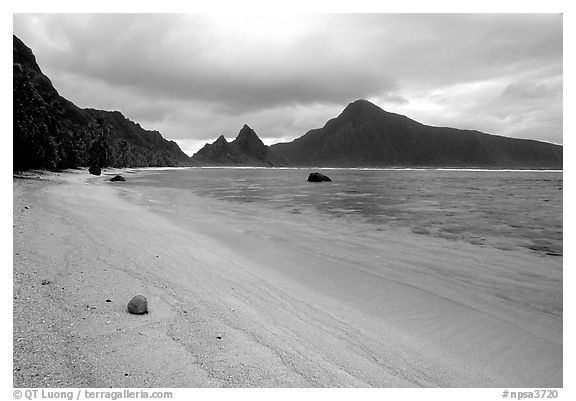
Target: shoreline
[(294, 303), (463, 169)]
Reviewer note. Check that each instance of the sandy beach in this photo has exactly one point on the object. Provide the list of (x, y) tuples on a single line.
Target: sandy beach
[(245, 297)]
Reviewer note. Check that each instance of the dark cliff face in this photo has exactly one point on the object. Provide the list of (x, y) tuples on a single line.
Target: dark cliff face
[(365, 135), (52, 132), (246, 150)]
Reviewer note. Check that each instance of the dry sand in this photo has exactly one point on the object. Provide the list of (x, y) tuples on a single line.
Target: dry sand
[(244, 297)]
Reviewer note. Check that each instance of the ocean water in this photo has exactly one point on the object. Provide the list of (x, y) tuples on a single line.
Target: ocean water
[(508, 210)]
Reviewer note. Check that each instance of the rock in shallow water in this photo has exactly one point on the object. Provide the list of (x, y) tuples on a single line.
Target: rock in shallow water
[(138, 305), (94, 170), (117, 178), (318, 177)]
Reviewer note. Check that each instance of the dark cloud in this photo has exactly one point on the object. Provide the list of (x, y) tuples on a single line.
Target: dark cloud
[(532, 90), (148, 53), (194, 76)]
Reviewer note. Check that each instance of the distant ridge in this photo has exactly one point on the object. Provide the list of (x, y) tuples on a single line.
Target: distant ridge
[(246, 150), (364, 135), (52, 132)]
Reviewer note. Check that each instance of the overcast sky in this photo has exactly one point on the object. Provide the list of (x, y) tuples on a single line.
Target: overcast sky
[(195, 77)]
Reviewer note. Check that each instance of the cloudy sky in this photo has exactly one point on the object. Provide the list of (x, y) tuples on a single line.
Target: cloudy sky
[(195, 77)]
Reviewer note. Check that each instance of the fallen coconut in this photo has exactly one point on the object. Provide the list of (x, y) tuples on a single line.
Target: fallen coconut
[(138, 305)]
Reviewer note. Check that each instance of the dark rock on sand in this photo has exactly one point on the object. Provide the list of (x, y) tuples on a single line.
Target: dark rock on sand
[(138, 305), (94, 170), (318, 177), (117, 178)]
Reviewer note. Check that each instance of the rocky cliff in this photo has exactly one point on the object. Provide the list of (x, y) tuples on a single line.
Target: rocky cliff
[(52, 132)]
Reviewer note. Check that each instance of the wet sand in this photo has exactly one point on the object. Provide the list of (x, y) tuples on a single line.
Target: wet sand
[(242, 296)]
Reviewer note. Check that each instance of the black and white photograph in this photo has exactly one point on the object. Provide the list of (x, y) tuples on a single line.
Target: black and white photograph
[(288, 200)]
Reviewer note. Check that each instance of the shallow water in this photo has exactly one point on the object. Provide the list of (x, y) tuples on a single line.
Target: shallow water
[(503, 209)]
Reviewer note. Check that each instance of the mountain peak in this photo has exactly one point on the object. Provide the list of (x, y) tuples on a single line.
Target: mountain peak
[(246, 149), (246, 130), (361, 101), (248, 142), (360, 110), (361, 106)]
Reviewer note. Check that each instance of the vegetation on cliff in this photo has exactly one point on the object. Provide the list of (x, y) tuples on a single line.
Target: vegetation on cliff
[(51, 132)]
